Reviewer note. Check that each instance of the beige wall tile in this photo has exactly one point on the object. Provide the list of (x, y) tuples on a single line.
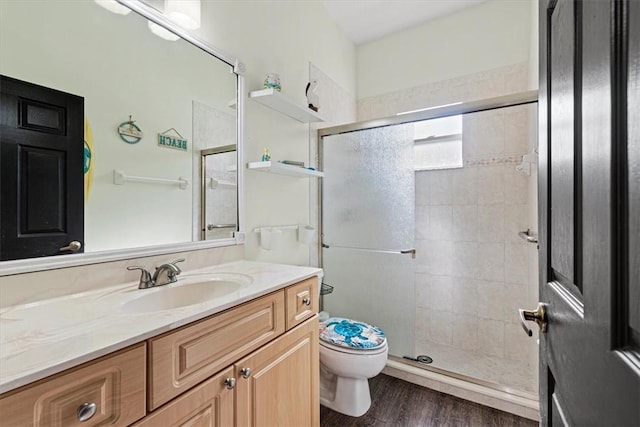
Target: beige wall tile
[(491, 185), (491, 261), (465, 223), (491, 223), (465, 186), (441, 223)]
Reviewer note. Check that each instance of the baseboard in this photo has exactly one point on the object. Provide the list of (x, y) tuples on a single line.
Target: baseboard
[(520, 404)]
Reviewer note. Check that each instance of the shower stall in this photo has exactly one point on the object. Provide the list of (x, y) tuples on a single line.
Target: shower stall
[(420, 221)]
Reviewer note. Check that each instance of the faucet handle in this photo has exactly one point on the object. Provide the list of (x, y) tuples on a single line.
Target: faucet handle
[(145, 277), (174, 264)]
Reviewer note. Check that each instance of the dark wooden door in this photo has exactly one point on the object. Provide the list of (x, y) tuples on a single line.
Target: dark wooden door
[(589, 193), (41, 170)]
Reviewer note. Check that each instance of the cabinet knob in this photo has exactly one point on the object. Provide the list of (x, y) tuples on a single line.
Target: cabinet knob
[(230, 383), (306, 301), (245, 372), (86, 411)]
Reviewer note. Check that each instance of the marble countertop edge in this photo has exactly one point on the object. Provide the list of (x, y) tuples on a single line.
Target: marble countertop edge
[(119, 331)]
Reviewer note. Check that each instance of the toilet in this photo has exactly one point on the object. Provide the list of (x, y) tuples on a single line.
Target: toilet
[(351, 352)]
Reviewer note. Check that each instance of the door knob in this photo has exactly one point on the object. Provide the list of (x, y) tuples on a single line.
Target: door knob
[(245, 372), (72, 247), (230, 383), (539, 316)]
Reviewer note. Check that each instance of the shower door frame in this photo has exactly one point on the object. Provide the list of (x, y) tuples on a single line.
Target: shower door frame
[(511, 100)]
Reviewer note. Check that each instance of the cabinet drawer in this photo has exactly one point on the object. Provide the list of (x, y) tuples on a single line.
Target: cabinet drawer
[(209, 404), (114, 383), (302, 301), (183, 358)]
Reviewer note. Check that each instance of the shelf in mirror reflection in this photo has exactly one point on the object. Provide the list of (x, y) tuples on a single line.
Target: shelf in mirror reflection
[(283, 169)]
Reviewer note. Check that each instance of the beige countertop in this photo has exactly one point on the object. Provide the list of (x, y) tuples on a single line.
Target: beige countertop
[(47, 337)]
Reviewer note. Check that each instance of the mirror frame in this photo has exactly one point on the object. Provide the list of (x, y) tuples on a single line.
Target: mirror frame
[(73, 260)]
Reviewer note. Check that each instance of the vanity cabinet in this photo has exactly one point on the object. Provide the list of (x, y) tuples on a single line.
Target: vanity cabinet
[(183, 358), (109, 391), (256, 364)]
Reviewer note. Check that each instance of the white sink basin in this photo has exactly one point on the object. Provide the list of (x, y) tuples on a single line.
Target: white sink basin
[(183, 293)]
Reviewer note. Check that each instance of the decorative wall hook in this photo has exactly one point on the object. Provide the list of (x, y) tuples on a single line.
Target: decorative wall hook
[(129, 132)]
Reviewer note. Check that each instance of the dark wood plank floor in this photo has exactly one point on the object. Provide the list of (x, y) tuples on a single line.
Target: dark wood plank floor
[(398, 403)]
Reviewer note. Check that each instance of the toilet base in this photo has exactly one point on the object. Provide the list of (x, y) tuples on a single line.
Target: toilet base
[(349, 396)]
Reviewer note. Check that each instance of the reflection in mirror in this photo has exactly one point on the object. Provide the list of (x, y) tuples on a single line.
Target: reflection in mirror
[(175, 94), (219, 192)]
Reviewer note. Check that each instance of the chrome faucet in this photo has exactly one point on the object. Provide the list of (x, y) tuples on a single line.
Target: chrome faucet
[(167, 273), (164, 274)]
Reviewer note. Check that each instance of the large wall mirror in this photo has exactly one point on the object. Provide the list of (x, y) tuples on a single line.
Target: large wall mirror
[(149, 109)]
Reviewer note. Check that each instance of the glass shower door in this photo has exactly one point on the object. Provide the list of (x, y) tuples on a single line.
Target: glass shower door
[(368, 214)]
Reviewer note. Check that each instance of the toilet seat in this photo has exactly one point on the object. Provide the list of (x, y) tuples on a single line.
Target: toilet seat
[(351, 336), (340, 349)]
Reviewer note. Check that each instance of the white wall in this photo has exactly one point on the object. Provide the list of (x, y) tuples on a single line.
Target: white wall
[(281, 37), (491, 35)]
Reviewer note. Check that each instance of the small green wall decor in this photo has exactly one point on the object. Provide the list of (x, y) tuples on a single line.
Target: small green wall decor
[(129, 132)]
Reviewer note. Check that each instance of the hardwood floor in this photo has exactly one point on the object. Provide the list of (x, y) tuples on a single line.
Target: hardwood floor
[(398, 403)]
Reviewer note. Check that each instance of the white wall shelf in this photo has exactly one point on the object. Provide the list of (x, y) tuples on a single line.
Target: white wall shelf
[(279, 102), (283, 169)]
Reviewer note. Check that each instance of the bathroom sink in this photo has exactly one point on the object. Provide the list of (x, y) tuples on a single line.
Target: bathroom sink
[(183, 293)]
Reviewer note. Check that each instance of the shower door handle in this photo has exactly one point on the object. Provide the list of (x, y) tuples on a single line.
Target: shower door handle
[(410, 251)]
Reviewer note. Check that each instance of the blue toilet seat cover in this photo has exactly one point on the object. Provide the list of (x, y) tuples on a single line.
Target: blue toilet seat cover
[(351, 334)]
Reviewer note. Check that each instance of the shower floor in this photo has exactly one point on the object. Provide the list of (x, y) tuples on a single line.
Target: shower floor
[(504, 373)]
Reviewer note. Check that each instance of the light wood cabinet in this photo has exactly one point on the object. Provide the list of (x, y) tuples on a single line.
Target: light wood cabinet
[(115, 384), (181, 359), (302, 301), (210, 404), (256, 364), (282, 388)]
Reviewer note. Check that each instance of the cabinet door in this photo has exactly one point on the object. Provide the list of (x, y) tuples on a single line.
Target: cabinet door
[(282, 388), (207, 405)]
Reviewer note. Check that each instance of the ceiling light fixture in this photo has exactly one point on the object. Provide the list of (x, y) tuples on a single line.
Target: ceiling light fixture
[(162, 32), (185, 13), (114, 6)]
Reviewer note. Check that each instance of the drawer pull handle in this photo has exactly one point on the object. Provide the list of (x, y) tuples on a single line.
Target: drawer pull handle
[(230, 383), (245, 372), (86, 411), (306, 302)]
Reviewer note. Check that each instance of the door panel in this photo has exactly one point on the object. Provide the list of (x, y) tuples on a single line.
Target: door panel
[(633, 116), (589, 374), (562, 171), (41, 170), (41, 180)]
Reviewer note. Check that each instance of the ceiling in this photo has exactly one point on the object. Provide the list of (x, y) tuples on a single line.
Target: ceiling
[(367, 20)]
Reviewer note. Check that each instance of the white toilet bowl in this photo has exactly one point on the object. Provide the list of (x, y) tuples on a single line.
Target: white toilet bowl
[(345, 368)]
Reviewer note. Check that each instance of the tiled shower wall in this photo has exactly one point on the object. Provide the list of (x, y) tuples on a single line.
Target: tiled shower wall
[(472, 271)]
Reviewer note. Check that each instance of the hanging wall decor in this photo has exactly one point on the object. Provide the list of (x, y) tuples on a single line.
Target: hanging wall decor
[(129, 132), (171, 138), (88, 160)]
